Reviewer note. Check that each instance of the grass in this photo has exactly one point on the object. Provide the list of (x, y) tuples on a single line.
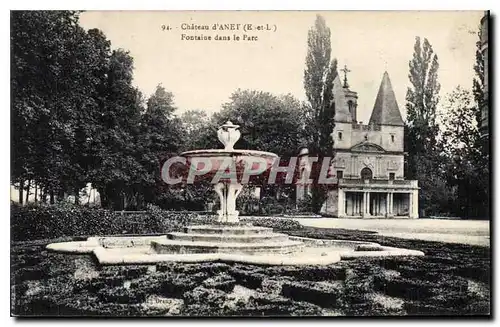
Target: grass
[(452, 279)]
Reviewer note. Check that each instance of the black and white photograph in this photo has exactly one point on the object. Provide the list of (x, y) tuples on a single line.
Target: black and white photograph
[(250, 163)]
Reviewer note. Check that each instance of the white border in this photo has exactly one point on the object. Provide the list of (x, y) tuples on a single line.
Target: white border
[(190, 5)]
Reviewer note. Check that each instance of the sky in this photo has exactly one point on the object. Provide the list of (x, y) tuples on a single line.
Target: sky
[(203, 74)]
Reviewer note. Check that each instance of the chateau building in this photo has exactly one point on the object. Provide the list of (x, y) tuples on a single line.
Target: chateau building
[(369, 159)]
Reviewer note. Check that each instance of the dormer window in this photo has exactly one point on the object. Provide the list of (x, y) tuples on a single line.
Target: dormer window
[(340, 136)]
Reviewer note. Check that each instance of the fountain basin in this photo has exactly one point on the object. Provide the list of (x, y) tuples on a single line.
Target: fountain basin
[(233, 169), (243, 244), (221, 154), (223, 160)]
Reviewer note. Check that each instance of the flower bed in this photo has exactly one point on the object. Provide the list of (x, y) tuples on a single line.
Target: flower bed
[(452, 279)]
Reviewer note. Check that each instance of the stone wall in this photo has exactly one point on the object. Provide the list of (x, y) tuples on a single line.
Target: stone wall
[(347, 135), (381, 164)]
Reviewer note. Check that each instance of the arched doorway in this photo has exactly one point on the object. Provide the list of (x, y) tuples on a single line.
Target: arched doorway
[(366, 173)]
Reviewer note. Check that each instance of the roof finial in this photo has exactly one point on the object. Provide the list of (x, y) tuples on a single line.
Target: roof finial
[(345, 70)]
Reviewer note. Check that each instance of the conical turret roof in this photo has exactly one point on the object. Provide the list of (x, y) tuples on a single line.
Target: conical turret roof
[(386, 110)]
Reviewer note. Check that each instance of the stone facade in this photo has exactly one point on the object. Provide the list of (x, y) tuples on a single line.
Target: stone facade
[(369, 160), (484, 50)]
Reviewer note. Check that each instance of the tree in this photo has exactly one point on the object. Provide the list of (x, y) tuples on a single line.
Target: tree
[(319, 75), (422, 98), (460, 127), (267, 122), (478, 81), (194, 124), (160, 136), (116, 169), (77, 118), (53, 91), (89, 115), (479, 97), (467, 169)]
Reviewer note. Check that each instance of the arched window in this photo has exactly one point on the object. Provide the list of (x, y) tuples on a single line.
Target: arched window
[(392, 138), (366, 173), (340, 136)]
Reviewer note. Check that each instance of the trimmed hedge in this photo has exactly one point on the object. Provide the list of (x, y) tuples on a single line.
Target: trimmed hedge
[(36, 222), (359, 287), (50, 222), (279, 224)]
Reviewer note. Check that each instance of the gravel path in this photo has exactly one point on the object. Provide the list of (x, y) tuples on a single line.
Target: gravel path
[(473, 232)]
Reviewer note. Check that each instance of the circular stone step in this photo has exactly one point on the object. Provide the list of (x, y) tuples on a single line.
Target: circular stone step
[(167, 246), (227, 230), (229, 238)]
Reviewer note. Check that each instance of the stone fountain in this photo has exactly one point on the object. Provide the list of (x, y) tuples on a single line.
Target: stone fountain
[(228, 240), (228, 190)]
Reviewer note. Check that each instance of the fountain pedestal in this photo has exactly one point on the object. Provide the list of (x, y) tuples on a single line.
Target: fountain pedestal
[(228, 192)]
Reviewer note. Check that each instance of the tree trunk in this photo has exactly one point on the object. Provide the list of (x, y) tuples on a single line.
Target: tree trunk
[(104, 198), (51, 193), (317, 194), (36, 193), (44, 195), (61, 195), (122, 201), (77, 195), (28, 191), (21, 191), (111, 196)]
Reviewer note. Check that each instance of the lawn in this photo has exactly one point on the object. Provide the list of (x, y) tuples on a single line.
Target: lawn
[(452, 279)]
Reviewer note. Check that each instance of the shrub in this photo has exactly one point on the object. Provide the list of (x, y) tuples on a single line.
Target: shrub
[(210, 296), (129, 272), (29, 274), (223, 282), (150, 284), (192, 269), (278, 224), (248, 203), (249, 279), (320, 293), (309, 273), (202, 301), (402, 287), (175, 285), (121, 295), (261, 304), (271, 206), (303, 206)]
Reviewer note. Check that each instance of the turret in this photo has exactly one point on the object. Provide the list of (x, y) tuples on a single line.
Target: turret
[(386, 110)]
